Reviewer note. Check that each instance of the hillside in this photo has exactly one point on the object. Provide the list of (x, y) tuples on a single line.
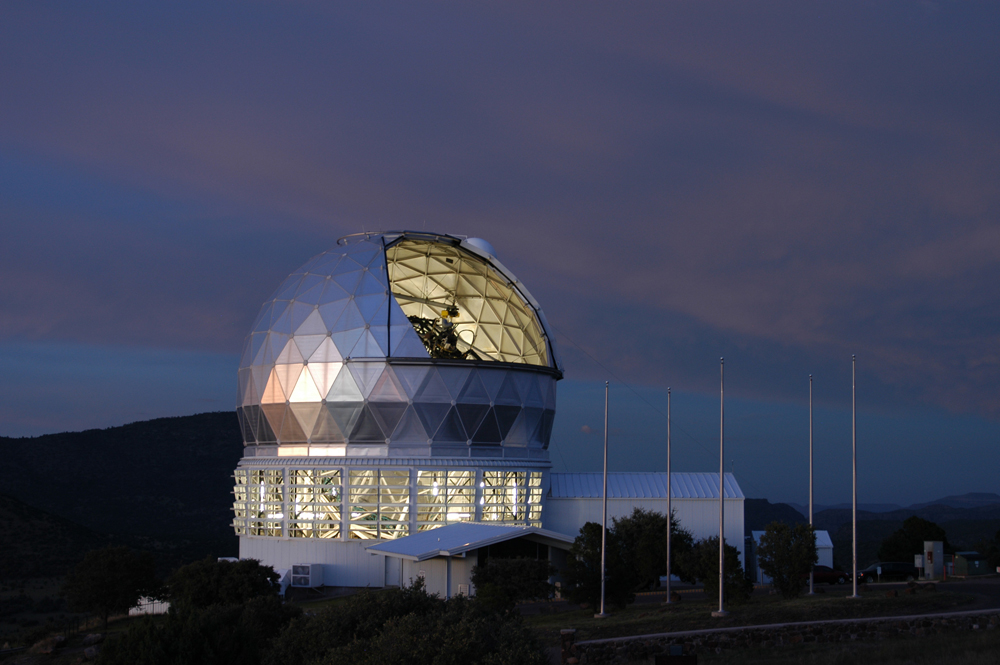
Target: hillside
[(758, 513), (162, 484), (37, 544)]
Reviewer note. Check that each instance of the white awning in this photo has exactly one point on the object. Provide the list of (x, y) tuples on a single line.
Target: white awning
[(457, 539)]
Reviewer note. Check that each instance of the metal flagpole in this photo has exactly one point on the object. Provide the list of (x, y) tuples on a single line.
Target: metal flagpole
[(854, 479), (604, 516), (670, 516), (721, 612), (812, 591)]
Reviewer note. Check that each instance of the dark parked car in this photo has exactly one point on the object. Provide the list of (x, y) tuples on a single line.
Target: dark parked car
[(828, 575), (891, 570)]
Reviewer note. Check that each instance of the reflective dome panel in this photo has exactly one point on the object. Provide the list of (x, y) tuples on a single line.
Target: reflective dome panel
[(406, 343)]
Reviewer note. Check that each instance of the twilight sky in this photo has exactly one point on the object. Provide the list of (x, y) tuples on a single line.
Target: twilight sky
[(780, 183)]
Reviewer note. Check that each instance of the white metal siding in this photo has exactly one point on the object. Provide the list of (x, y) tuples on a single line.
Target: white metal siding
[(699, 516), (345, 563)]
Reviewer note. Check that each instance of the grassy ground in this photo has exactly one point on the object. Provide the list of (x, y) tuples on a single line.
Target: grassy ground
[(694, 613), (979, 648)]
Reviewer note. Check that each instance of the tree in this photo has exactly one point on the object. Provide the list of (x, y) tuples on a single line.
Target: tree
[(209, 582), (502, 583), (643, 539), (787, 554), (991, 549), (702, 563), (583, 569), (903, 544), (110, 580)]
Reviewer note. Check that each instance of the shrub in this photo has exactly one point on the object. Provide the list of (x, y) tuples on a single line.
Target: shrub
[(502, 583), (702, 562), (209, 582), (406, 627), (218, 635), (787, 554), (643, 539), (583, 569), (110, 580)]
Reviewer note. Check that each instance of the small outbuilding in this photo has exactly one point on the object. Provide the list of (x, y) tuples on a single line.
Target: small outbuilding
[(971, 563), (444, 557)]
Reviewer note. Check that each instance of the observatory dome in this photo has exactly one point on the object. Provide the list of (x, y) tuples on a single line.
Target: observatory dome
[(399, 344)]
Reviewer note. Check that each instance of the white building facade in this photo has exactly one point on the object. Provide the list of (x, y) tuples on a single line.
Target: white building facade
[(576, 498)]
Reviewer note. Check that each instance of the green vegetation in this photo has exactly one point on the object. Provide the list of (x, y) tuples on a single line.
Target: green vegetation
[(787, 554), (903, 544), (209, 582), (217, 635), (643, 539), (636, 558), (991, 548), (161, 486), (702, 563), (241, 621), (583, 569), (110, 581), (502, 583), (406, 627)]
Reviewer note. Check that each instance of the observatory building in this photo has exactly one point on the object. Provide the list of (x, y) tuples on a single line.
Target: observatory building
[(405, 382), (397, 383)]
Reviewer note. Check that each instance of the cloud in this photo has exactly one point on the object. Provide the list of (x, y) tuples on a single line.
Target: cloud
[(785, 184)]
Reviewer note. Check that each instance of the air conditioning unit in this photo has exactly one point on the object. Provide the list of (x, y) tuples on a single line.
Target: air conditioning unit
[(307, 575)]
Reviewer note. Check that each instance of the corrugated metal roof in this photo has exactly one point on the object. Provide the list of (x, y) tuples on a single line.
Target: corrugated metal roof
[(642, 486), (456, 539)]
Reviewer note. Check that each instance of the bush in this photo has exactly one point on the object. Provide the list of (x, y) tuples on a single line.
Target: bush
[(219, 635), (643, 539), (502, 583), (110, 580), (406, 627), (583, 569), (702, 562), (209, 582), (787, 554)]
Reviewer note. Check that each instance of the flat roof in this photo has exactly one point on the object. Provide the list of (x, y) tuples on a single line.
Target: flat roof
[(457, 539), (642, 486)]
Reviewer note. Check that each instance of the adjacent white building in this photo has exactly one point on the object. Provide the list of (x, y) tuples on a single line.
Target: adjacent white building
[(576, 498)]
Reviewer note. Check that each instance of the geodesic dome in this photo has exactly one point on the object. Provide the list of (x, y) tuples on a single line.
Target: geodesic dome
[(419, 343)]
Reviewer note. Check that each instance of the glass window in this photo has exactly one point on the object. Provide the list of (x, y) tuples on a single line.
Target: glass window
[(380, 503), (445, 497), (314, 503)]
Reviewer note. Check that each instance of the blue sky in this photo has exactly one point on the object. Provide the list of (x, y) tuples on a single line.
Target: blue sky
[(783, 184)]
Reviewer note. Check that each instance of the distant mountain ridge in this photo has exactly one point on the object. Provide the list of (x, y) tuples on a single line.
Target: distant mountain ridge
[(870, 507), (970, 500)]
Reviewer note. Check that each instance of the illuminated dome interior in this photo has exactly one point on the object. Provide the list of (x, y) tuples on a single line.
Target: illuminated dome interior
[(490, 319)]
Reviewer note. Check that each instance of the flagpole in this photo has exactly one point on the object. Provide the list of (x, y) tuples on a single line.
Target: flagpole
[(854, 477), (812, 591), (721, 612), (670, 516), (604, 516)]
